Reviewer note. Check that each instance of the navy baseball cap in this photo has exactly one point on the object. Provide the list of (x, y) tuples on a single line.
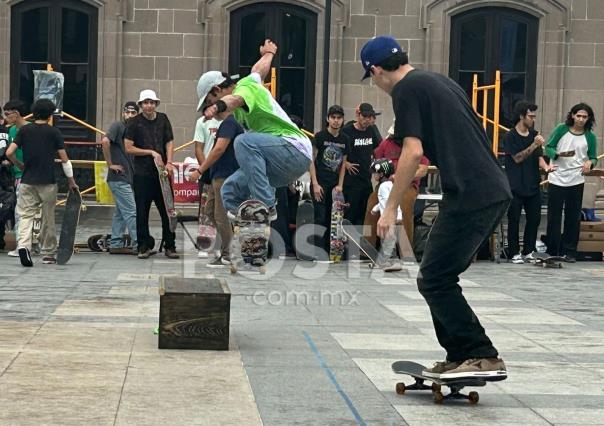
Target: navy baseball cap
[(376, 50)]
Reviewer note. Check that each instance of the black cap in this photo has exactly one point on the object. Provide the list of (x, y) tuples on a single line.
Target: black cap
[(131, 106), (335, 110), (366, 110)]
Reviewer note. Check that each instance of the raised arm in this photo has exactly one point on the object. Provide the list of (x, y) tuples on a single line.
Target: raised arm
[(267, 51)]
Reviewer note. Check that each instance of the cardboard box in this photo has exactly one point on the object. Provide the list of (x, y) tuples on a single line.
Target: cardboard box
[(592, 226), (591, 236), (595, 246)]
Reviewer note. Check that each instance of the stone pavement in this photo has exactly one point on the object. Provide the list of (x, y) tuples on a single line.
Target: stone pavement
[(311, 344)]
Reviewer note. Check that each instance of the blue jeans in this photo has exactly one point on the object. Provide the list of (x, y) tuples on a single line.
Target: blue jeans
[(124, 215), (265, 162)]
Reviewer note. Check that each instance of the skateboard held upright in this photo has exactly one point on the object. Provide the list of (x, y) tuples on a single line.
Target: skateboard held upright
[(251, 231), (336, 236), (71, 217), (167, 194), (206, 233)]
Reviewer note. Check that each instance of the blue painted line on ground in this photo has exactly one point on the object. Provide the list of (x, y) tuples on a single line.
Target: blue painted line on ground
[(333, 379)]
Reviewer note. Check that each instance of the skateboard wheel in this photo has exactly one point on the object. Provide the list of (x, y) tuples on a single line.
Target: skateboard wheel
[(233, 269), (400, 388), (435, 387), (267, 232), (473, 397), (236, 229), (263, 269), (438, 397), (84, 208)]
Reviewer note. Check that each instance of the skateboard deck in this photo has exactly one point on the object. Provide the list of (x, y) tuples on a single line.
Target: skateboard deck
[(595, 172), (100, 242), (251, 232), (71, 218), (414, 370), (336, 236), (206, 233), (546, 261), (371, 220), (305, 216), (361, 242), (167, 194)]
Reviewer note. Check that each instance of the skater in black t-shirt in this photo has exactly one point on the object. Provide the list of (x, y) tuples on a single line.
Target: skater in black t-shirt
[(434, 118), (331, 149), (524, 148), (357, 182)]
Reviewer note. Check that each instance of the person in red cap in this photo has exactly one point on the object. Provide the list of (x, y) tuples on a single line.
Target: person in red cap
[(434, 118)]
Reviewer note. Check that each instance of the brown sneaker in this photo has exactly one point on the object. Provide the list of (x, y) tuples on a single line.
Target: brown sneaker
[(490, 369), (439, 368), (144, 254), (171, 254)]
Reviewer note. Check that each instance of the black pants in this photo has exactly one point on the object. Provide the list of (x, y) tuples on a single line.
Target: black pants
[(281, 224), (147, 190), (532, 208), (453, 241), (570, 198), (323, 216), (357, 199)]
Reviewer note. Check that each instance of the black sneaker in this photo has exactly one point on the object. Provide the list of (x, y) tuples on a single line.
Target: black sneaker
[(569, 259), (144, 254), (25, 257)]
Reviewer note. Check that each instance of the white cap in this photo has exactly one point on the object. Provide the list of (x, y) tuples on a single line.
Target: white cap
[(148, 94), (205, 84)]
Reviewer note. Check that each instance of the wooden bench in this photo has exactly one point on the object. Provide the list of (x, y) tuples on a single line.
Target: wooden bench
[(194, 313)]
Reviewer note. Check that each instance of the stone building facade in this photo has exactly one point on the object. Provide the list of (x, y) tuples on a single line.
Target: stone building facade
[(552, 50)]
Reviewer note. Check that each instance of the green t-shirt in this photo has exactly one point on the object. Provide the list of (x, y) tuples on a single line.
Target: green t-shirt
[(12, 134), (265, 115)]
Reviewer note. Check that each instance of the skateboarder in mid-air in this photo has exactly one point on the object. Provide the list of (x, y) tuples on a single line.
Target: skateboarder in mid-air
[(40, 144), (434, 117), (274, 153), (148, 137)]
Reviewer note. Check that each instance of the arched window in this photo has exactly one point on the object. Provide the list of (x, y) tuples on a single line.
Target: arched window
[(295, 30), (63, 34), (493, 38)]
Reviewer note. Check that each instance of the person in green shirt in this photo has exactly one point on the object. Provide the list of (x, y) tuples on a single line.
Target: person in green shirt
[(14, 113), (274, 152)]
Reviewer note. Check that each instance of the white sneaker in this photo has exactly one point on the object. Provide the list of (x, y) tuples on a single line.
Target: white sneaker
[(529, 258), (203, 254), (517, 259), (14, 253)]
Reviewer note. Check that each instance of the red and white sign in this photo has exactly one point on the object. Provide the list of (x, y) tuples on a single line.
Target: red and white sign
[(184, 191)]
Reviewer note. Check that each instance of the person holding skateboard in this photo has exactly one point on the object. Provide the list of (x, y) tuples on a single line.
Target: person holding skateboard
[(331, 148), (273, 153), (40, 144), (524, 148), (221, 163), (149, 138), (572, 152), (119, 179), (435, 118)]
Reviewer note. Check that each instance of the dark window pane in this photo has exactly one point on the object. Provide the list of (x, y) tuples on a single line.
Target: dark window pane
[(472, 46), (253, 35), (513, 46), (34, 35), (513, 88), (74, 36), (293, 41), (291, 91), (76, 90), (26, 81)]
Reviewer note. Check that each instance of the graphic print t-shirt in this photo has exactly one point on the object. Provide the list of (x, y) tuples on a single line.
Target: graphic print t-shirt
[(362, 144), (330, 153)]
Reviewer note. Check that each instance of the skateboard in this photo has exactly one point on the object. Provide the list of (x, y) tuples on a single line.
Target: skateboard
[(361, 242), (206, 233), (371, 220), (305, 216), (167, 194), (251, 232), (414, 370), (594, 172), (336, 236), (546, 261), (71, 217), (100, 242)]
